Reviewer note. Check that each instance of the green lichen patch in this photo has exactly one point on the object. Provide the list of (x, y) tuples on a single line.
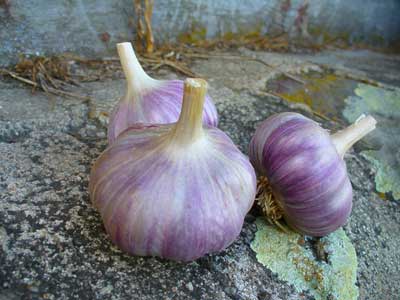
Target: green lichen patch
[(384, 105), (295, 262)]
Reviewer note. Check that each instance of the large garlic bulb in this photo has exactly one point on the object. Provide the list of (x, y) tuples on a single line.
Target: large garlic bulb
[(305, 170), (176, 191), (147, 100)]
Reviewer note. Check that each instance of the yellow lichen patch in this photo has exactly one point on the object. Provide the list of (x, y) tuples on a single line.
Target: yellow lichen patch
[(382, 196), (322, 92), (195, 34), (253, 39), (306, 94), (314, 85), (328, 38)]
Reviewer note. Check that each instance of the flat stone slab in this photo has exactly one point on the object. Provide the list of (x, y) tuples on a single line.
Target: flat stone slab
[(53, 244)]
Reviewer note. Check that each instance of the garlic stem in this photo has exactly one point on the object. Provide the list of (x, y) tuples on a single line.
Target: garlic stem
[(190, 125), (346, 138), (136, 77)]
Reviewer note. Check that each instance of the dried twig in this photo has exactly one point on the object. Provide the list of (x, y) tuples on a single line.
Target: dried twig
[(139, 24), (44, 86), (147, 20), (173, 64), (179, 68), (144, 32), (16, 76)]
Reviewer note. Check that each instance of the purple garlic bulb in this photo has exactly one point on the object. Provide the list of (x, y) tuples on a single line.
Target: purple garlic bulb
[(176, 191), (147, 100), (305, 170)]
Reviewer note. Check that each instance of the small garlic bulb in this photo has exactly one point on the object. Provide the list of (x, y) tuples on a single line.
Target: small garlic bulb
[(305, 171), (176, 191), (147, 100)]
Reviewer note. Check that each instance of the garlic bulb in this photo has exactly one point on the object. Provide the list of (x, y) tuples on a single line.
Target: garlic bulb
[(147, 100), (305, 171), (176, 191)]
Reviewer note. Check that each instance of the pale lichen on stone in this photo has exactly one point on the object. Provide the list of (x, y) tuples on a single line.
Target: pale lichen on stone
[(3, 240), (384, 105), (294, 262)]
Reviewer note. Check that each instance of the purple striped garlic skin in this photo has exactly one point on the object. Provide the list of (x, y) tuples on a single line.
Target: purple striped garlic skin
[(147, 100), (159, 104), (176, 191), (307, 175)]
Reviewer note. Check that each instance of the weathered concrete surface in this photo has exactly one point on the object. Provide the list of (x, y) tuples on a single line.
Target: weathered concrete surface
[(93, 27), (53, 244), (22, 112)]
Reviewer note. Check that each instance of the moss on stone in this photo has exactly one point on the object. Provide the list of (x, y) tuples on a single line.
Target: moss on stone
[(294, 262)]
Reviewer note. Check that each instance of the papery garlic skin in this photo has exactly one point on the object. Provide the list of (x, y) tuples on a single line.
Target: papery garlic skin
[(175, 191), (305, 170), (147, 100)]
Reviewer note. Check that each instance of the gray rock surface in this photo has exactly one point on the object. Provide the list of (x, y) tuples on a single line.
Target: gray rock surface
[(92, 27), (53, 244)]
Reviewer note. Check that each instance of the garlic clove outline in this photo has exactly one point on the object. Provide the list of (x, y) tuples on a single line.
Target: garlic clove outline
[(147, 100), (305, 169), (177, 191)]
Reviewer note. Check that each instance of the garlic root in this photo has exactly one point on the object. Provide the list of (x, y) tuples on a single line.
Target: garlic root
[(269, 205)]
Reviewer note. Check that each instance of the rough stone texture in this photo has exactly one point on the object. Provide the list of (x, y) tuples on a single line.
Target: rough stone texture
[(92, 27), (22, 112), (53, 244)]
